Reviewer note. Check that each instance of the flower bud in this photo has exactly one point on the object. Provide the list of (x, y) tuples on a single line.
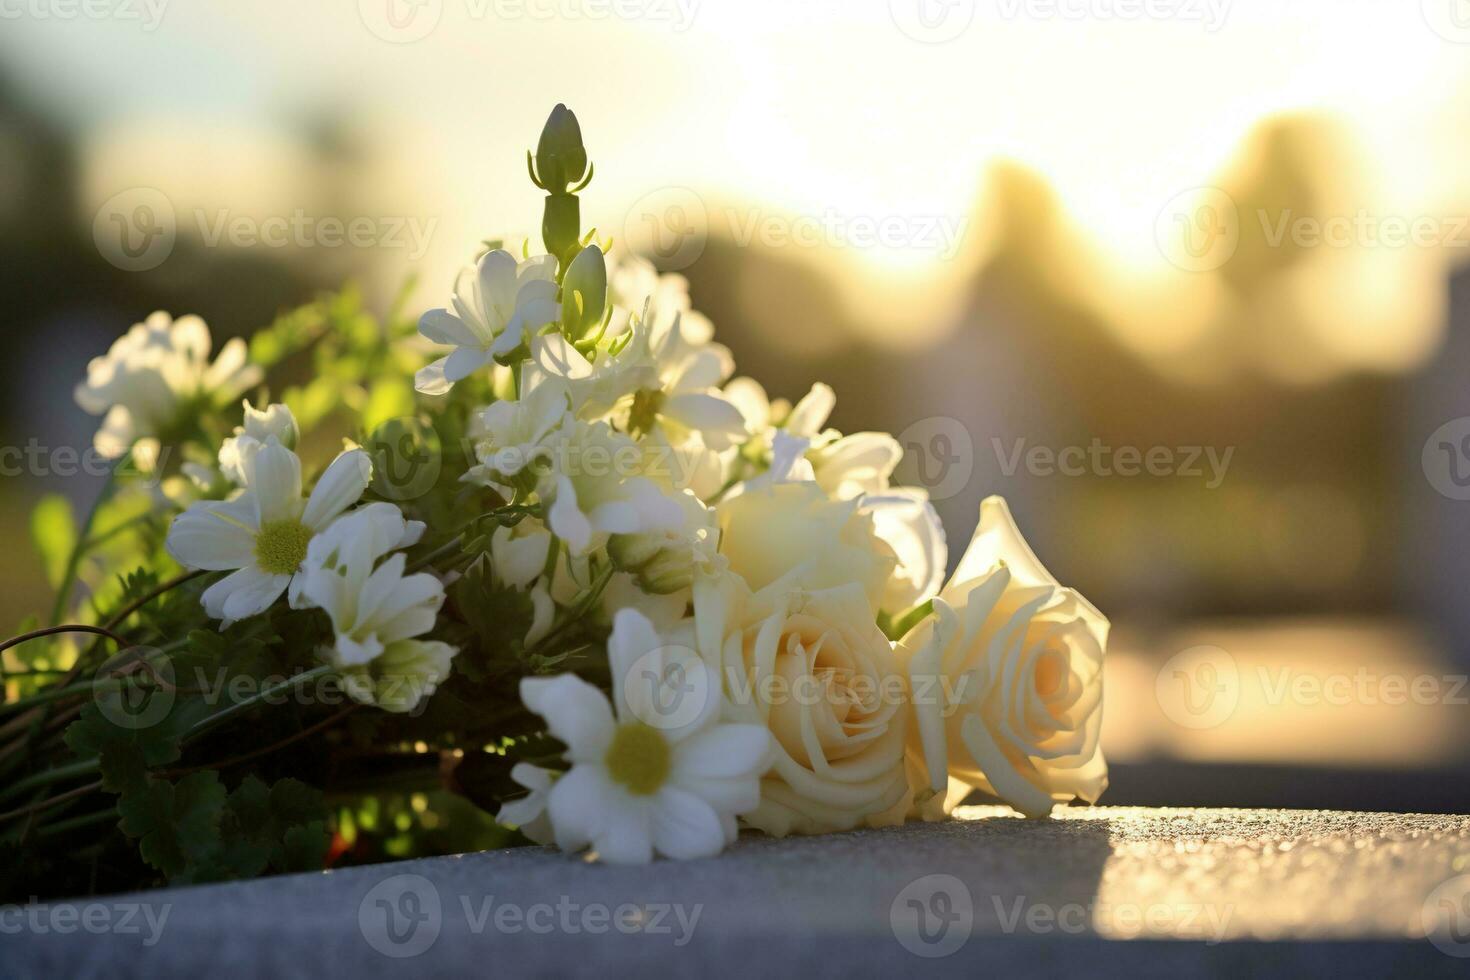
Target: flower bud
[(660, 562), (561, 159), (584, 291)]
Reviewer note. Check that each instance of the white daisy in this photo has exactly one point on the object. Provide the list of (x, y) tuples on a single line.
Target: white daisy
[(263, 533), (635, 789), (494, 306), (154, 378), (377, 611)]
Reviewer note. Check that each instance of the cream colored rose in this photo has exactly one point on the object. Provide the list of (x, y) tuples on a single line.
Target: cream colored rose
[(1006, 677), (769, 532), (811, 666)]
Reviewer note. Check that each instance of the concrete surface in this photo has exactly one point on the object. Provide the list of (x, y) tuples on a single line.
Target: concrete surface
[(1202, 892)]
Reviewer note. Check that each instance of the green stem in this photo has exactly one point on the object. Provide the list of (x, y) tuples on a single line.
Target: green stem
[(86, 767), (74, 560), (578, 613)]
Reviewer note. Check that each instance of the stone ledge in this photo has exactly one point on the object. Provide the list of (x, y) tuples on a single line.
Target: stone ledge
[(1243, 889)]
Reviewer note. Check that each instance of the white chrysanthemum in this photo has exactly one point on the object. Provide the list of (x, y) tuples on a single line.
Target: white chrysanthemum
[(494, 307), (236, 452), (635, 789), (154, 377), (263, 533), (377, 611)]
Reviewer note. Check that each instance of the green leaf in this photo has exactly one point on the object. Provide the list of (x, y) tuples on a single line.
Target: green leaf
[(177, 823), (54, 531)]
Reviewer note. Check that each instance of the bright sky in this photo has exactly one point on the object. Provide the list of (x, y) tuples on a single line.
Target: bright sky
[(830, 110)]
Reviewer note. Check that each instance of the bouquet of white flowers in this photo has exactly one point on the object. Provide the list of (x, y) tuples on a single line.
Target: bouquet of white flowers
[(572, 570)]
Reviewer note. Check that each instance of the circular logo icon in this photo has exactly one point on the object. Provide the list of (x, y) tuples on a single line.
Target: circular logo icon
[(1198, 687), (670, 226), (1450, 19), (1199, 229), (1446, 459), (400, 21), (670, 688), (938, 455), (932, 21), (1445, 916), (135, 689), (401, 916), (933, 916), (407, 456), (135, 229)]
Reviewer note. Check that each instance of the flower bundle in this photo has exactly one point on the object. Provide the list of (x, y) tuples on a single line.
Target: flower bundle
[(563, 564)]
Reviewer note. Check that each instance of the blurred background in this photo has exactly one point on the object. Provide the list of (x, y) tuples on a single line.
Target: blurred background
[(1184, 280)]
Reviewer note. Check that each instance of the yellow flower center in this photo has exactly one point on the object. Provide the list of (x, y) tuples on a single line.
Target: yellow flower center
[(638, 758), (280, 546)]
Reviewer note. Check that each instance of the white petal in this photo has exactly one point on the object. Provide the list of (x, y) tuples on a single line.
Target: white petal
[(575, 712), (812, 412), (214, 535), (275, 483), (566, 520), (247, 592), (430, 380), (577, 805), (443, 327), (684, 826), (725, 752), (339, 488), (720, 421), (464, 362)]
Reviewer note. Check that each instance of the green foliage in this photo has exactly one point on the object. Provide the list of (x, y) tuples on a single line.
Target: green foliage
[(54, 531)]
